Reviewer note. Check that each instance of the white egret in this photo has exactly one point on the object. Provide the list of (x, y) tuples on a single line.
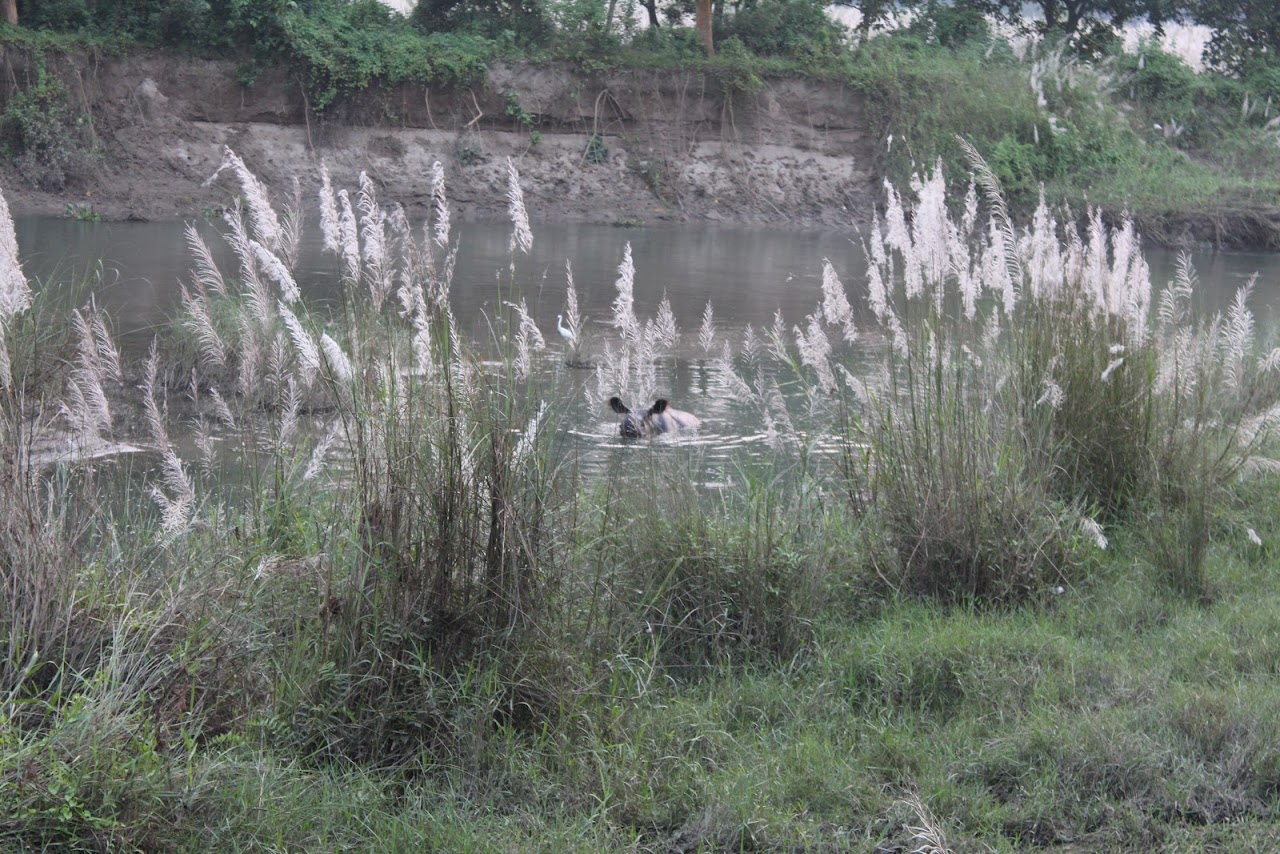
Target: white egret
[(565, 332)]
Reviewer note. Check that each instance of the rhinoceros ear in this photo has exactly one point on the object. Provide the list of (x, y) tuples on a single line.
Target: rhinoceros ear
[(618, 406), (659, 406)]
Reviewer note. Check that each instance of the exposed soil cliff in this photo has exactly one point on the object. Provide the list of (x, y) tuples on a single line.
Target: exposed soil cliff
[(670, 146)]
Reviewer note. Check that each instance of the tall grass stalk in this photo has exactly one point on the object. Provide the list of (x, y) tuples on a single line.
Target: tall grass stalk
[(1023, 396)]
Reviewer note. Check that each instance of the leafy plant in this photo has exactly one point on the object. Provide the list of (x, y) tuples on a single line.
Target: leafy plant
[(82, 212)]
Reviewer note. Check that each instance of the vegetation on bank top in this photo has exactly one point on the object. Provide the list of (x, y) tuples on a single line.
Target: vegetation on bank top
[(1068, 108)]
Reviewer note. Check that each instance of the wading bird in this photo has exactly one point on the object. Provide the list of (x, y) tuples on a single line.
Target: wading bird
[(565, 332)]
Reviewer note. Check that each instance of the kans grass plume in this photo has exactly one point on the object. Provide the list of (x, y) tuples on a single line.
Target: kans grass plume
[(15, 293), (521, 235), (266, 225)]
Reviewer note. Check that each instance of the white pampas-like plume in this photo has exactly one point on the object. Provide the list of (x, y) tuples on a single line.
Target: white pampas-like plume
[(835, 305), (990, 185), (815, 351), (288, 422), (276, 270), (528, 339), (970, 217), (348, 233), (266, 225), (221, 409), (995, 267), (15, 293), (855, 385), (1238, 337), (571, 311), (1175, 302), (108, 355), (6, 367), (176, 511), (207, 274), (200, 323), (373, 235), (877, 296), (439, 205), (337, 358), (422, 346), (413, 259), (735, 386), (777, 335), (308, 353), (328, 212), (898, 237), (707, 330), (521, 235), (1111, 367), (1053, 393), (665, 323), (962, 268), (204, 443), (321, 450), (291, 228), (1096, 272), (930, 227), (624, 316), (250, 352), (750, 344), (89, 413), (255, 292), (1093, 531), (1042, 252)]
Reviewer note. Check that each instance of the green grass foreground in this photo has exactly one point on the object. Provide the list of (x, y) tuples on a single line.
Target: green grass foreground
[(1012, 586)]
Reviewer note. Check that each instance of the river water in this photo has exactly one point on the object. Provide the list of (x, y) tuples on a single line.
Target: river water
[(747, 273)]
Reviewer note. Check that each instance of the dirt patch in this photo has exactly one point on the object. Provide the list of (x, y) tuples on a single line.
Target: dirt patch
[(627, 147)]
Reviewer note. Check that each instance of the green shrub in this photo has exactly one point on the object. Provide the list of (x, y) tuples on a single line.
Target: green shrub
[(45, 136)]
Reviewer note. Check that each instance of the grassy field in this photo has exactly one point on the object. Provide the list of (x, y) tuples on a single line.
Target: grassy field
[(1009, 587)]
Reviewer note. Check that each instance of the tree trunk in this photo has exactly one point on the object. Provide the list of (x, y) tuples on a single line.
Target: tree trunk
[(10, 9), (704, 26), (651, 6)]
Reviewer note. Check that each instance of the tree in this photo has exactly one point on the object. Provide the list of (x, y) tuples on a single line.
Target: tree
[(1244, 30), (703, 22), (10, 9), (1074, 18)]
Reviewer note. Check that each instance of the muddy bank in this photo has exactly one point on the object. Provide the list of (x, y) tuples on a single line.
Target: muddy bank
[(628, 147)]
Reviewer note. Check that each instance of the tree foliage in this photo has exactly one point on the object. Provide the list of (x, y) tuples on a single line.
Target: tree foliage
[(1088, 19), (527, 21), (1245, 31)]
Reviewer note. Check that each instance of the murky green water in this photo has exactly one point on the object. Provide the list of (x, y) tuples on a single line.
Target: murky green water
[(748, 274)]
